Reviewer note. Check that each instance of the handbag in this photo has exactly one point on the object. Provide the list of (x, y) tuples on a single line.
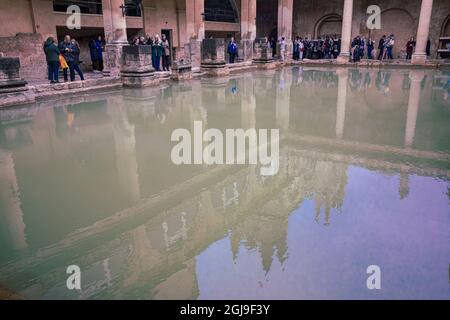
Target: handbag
[(63, 62)]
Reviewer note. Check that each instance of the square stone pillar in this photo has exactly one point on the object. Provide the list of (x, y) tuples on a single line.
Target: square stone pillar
[(285, 17), (213, 57), (137, 69), (115, 27), (195, 24), (248, 28), (262, 54)]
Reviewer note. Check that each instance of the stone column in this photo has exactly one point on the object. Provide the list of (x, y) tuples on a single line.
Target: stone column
[(248, 27), (341, 102), (416, 77), (346, 32), (115, 27), (285, 16), (195, 29), (420, 56)]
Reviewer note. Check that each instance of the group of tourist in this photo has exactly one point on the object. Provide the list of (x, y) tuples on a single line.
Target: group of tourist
[(96, 47), (160, 50), (326, 48), (66, 55)]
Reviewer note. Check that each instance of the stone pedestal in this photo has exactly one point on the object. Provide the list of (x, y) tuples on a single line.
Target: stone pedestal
[(12, 87), (112, 59), (181, 70), (195, 50), (247, 49), (262, 54), (213, 57), (137, 69)]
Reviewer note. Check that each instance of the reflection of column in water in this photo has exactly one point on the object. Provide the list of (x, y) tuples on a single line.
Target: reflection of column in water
[(125, 143), (283, 99), (10, 205), (416, 77), (341, 102), (248, 103)]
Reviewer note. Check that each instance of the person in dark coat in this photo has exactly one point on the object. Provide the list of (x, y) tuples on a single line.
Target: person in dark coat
[(66, 49), (99, 48), (381, 47), (94, 54), (410, 48), (76, 58), (428, 48), (52, 56), (157, 49)]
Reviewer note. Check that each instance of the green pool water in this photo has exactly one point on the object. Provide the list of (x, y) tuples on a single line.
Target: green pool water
[(363, 180)]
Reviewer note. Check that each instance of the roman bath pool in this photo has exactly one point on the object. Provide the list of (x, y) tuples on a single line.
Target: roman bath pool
[(362, 185)]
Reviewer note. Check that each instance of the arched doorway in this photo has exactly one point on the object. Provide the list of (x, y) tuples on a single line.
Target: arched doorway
[(445, 30), (401, 24), (330, 24)]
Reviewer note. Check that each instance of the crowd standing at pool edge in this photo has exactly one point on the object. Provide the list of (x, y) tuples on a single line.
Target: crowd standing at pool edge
[(66, 54)]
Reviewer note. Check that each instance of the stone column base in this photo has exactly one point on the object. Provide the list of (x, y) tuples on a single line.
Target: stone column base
[(265, 65), (419, 58), (181, 72), (112, 58), (215, 70), (343, 58), (247, 49), (195, 53)]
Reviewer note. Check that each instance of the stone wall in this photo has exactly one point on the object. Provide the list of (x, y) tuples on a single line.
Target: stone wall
[(28, 48)]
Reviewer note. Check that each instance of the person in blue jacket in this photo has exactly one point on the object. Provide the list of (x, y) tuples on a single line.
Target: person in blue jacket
[(232, 50)]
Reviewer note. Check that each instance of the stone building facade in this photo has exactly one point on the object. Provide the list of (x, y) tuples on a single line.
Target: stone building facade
[(188, 21)]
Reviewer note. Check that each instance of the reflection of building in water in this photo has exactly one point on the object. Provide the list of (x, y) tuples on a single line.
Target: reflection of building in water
[(168, 215), (125, 146), (12, 215)]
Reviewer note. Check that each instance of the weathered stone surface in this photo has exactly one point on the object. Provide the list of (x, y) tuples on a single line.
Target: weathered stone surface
[(10, 81), (137, 69), (28, 48), (213, 57), (112, 59), (181, 70), (213, 51), (262, 53)]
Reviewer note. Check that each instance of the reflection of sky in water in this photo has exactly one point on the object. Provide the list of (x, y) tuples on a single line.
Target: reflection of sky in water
[(359, 154), (406, 238)]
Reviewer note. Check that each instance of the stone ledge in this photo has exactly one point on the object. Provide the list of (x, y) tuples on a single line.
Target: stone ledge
[(59, 90)]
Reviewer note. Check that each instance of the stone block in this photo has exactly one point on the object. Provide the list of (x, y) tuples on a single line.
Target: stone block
[(213, 57), (137, 70)]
